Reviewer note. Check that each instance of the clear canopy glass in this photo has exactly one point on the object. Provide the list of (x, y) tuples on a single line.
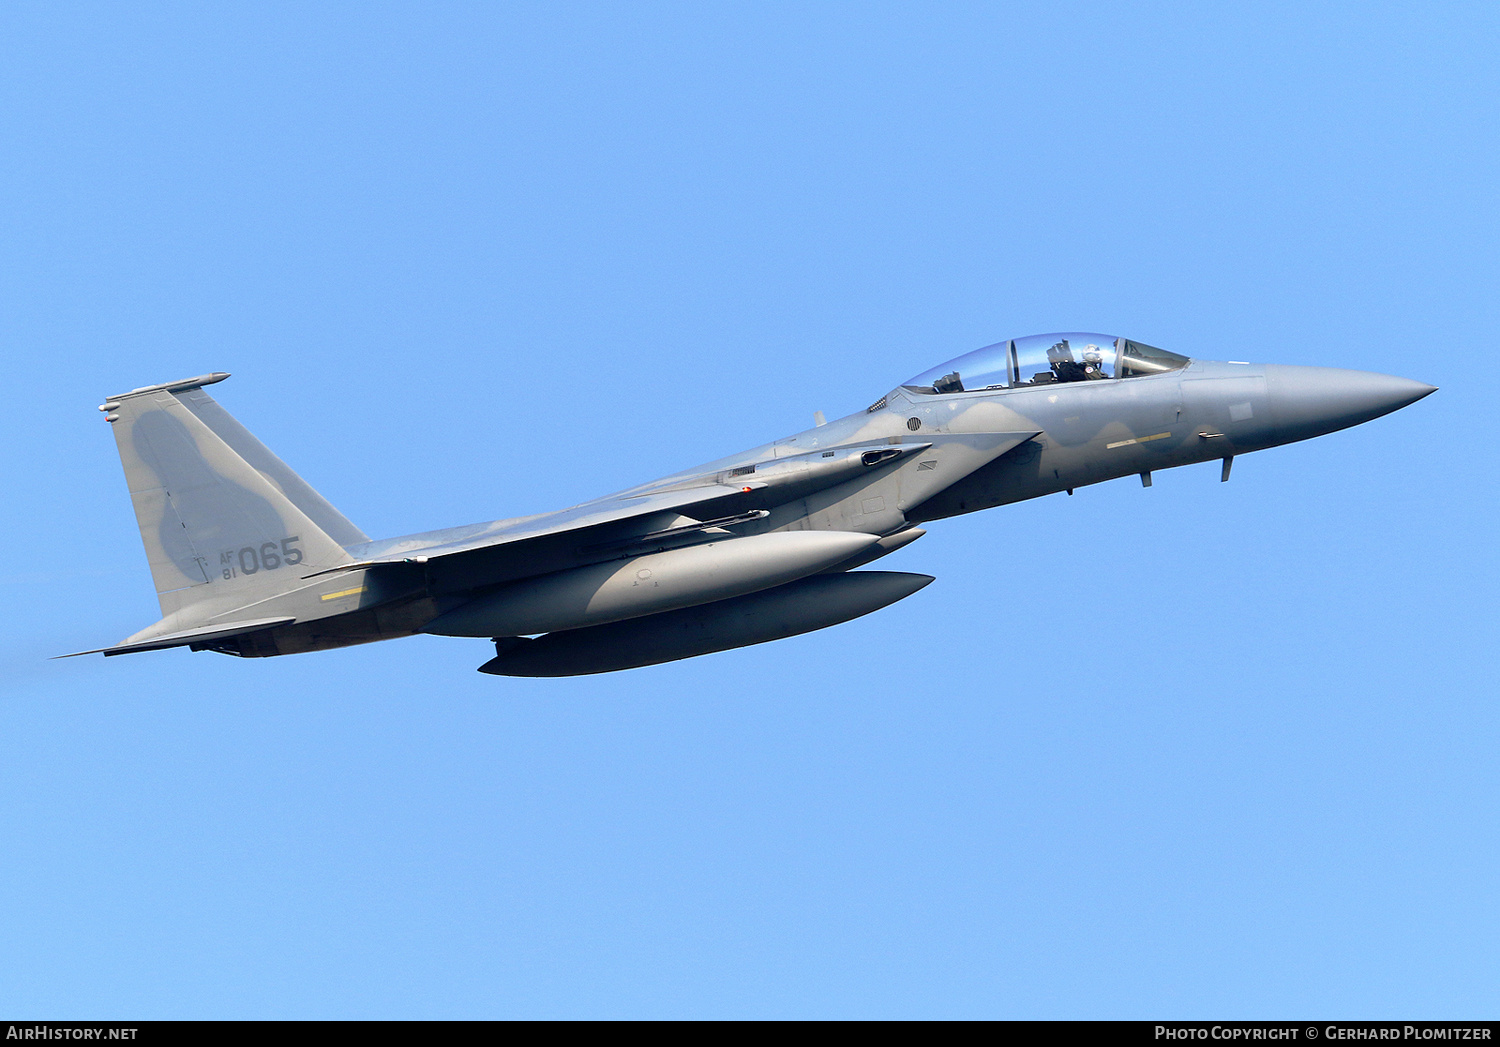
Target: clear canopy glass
[(1044, 358), (1138, 358), (987, 368)]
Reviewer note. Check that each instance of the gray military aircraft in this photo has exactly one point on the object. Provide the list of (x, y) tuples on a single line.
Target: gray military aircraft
[(249, 560)]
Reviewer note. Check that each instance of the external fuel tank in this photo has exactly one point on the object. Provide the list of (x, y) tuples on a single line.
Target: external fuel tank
[(771, 614), (661, 581)]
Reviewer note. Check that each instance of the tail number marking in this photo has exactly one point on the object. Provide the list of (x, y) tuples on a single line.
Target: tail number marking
[(268, 557)]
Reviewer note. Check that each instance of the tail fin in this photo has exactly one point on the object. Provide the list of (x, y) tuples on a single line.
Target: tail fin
[(224, 521)]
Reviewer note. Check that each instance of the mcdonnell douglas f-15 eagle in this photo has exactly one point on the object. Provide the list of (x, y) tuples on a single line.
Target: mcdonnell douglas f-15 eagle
[(249, 560)]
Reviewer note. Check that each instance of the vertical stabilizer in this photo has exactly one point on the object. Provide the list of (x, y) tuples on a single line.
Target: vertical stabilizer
[(225, 523), (297, 490)]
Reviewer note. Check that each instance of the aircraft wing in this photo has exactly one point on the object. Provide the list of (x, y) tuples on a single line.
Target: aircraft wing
[(580, 518), (712, 499)]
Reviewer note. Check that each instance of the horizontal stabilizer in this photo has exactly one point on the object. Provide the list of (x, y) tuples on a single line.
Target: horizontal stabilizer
[(187, 636)]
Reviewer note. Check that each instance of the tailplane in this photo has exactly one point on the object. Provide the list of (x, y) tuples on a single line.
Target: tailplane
[(225, 522)]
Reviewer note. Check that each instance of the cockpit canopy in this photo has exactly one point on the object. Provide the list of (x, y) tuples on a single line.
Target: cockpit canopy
[(1043, 358)]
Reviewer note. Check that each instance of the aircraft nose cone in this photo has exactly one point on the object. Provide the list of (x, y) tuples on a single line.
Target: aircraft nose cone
[(1309, 401)]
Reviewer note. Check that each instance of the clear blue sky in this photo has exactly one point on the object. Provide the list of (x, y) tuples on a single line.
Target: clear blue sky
[(475, 261)]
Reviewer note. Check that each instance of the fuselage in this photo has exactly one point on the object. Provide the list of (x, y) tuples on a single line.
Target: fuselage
[(1087, 432), (963, 451), (716, 556)]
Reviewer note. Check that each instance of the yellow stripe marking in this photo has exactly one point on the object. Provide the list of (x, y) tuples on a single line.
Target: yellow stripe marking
[(1137, 440), (346, 592)]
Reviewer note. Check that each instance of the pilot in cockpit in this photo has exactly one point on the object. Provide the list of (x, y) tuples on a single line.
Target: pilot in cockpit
[(1067, 369)]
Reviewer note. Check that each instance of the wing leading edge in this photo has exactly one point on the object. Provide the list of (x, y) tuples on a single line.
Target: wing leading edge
[(422, 548)]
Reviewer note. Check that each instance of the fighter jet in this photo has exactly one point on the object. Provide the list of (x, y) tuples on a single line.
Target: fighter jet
[(249, 560)]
